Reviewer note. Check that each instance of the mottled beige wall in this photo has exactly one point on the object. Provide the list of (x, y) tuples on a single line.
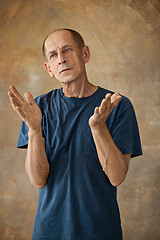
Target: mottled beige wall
[(124, 38)]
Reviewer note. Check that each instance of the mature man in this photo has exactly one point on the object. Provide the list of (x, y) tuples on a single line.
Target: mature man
[(80, 139)]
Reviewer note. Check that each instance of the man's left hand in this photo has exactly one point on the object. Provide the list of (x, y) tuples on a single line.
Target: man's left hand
[(102, 112)]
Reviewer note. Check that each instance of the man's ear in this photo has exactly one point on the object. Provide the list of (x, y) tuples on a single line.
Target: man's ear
[(48, 69), (86, 53)]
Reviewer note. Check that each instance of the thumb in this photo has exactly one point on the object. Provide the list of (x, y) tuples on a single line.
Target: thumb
[(29, 98)]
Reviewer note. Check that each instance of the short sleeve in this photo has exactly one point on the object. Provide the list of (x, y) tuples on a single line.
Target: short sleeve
[(23, 136), (124, 131)]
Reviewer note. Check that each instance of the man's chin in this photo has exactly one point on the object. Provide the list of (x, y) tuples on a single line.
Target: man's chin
[(67, 80)]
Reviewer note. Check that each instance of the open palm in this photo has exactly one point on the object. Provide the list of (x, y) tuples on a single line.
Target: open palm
[(29, 112), (102, 112)]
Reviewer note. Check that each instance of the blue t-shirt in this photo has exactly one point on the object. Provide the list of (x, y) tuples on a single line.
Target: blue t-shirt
[(79, 202)]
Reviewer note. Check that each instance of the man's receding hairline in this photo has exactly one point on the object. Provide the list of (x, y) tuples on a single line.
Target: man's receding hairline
[(56, 30), (80, 41)]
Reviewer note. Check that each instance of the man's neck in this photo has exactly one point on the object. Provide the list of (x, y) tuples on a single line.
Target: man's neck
[(78, 89)]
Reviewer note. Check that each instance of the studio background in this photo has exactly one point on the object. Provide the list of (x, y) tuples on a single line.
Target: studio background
[(124, 40)]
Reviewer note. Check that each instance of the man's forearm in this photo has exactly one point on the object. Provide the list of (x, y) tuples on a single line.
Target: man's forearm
[(113, 162), (37, 166)]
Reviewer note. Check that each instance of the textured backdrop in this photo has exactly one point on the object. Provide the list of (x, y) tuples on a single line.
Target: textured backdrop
[(124, 39)]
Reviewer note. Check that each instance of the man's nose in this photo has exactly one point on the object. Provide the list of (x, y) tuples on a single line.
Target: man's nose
[(61, 58)]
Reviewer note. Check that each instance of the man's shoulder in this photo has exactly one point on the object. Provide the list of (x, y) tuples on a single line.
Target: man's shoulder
[(46, 100), (48, 95), (105, 91)]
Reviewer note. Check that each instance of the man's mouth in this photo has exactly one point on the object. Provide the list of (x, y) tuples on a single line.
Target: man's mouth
[(64, 70)]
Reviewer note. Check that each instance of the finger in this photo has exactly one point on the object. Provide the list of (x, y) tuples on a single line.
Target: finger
[(16, 94), (16, 107), (114, 96), (12, 96), (14, 102), (29, 98), (108, 99), (20, 113), (116, 99), (108, 96), (96, 111), (103, 106), (111, 102)]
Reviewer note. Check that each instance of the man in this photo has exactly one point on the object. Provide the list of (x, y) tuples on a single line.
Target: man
[(80, 139)]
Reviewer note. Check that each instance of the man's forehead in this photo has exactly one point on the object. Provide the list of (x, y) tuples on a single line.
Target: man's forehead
[(59, 38)]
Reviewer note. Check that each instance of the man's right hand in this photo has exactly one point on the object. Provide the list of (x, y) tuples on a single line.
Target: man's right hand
[(29, 112)]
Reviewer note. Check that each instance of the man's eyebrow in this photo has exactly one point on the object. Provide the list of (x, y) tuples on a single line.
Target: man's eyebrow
[(50, 52), (65, 46)]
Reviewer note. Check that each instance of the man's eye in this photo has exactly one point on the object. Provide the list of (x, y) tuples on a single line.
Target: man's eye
[(68, 49), (53, 55)]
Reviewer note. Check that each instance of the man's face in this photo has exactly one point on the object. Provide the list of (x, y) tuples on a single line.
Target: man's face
[(65, 60)]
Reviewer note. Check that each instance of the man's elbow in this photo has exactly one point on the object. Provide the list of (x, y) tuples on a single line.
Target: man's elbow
[(117, 181), (39, 185)]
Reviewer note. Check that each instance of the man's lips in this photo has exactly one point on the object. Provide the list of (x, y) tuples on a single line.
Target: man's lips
[(64, 70)]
